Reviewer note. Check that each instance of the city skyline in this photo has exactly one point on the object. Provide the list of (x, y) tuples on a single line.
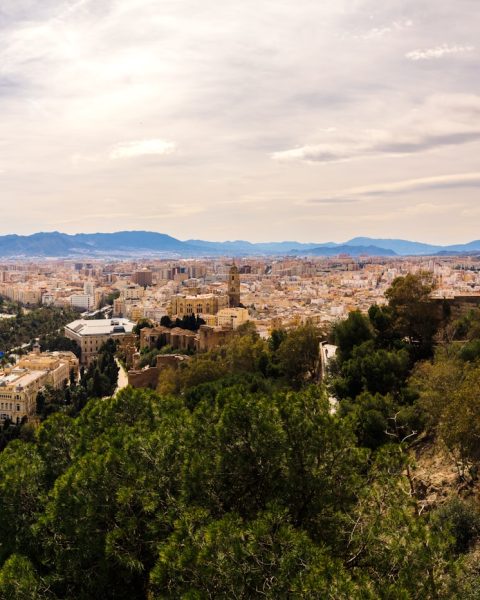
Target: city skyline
[(226, 121)]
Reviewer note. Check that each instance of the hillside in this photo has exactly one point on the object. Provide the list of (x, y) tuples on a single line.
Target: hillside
[(148, 243), (236, 479)]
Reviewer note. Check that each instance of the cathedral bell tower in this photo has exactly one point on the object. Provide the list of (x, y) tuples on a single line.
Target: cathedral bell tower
[(233, 287)]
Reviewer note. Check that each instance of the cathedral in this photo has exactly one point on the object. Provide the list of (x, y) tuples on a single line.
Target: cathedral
[(233, 287)]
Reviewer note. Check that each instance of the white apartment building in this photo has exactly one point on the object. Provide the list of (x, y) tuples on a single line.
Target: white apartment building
[(82, 301)]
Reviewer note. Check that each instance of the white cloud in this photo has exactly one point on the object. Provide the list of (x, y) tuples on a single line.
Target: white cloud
[(408, 186), (380, 32), (142, 148), (438, 52), (442, 120), (87, 87)]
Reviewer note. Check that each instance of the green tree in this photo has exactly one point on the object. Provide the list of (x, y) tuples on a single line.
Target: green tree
[(56, 442), (351, 332), (19, 581), (230, 558), (238, 462), (376, 371), (391, 541), (322, 464), (166, 321), (142, 324), (297, 354), (22, 486), (415, 317)]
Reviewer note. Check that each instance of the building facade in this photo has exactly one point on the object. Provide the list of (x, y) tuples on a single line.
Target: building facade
[(91, 334), (233, 287), (210, 304), (18, 393)]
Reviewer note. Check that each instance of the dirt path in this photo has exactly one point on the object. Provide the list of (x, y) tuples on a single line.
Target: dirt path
[(122, 378)]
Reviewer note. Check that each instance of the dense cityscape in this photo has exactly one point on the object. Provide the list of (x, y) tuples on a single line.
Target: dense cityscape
[(239, 300), (317, 408), (117, 299)]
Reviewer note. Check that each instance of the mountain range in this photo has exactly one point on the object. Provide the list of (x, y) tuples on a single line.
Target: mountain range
[(148, 243)]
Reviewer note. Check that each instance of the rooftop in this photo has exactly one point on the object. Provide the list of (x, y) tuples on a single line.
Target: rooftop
[(101, 326), (20, 377)]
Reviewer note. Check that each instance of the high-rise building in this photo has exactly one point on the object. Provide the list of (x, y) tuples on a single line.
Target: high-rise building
[(233, 287), (82, 301), (143, 277), (89, 288)]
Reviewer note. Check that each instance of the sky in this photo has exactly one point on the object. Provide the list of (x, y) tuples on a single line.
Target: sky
[(264, 120)]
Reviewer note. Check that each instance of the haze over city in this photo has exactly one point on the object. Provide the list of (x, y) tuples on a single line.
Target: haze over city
[(226, 120)]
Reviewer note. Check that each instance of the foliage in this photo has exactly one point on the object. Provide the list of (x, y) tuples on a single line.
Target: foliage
[(238, 480), (55, 342), (26, 326), (142, 324), (19, 581), (190, 322), (352, 332), (244, 494), (111, 297), (463, 520), (297, 354), (448, 394), (373, 370), (375, 356), (293, 358), (99, 380), (414, 316), (231, 558)]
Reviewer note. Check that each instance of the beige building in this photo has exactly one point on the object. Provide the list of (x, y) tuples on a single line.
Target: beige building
[(18, 393), (212, 337), (56, 364), (22, 294), (177, 338), (135, 312), (208, 304), (132, 292), (119, 307), (91, 334), (232, 316)]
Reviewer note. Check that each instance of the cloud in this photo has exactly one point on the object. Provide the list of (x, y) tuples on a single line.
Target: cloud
[(424, 209), (92, 94), (142, 148), (380, 32), (442, 120), (438, 52), (408, 186)]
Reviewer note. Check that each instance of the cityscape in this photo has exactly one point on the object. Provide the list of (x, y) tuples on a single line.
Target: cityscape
[(111, 298), (239, 300)]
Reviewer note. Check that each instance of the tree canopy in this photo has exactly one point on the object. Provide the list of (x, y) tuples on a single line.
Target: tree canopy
[(238, 477)]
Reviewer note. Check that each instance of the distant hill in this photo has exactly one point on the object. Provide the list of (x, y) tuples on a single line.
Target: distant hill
[(245, 247), (401, 247), (470, 247), (57, 244), (149, 243), (347, 249)]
